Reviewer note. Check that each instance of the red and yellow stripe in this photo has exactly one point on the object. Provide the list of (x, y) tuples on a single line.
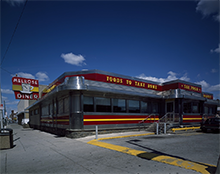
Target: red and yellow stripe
[(64, 120), (116, 119), (192, 118)]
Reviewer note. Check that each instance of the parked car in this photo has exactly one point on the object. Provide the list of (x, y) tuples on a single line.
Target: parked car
[(212, 124)]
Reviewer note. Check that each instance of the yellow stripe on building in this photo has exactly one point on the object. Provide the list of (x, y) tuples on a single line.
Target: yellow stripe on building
[(192, 118), (119, 119)]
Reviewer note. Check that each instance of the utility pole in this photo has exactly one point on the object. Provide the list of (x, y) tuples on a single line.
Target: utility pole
[(1, 109)]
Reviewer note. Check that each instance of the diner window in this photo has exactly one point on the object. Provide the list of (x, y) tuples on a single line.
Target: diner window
[(60, 106), (119, 105), (54, 108), (191, 107), (144, 107), (44, 110), (51, 109), (66, 104), (212, 110), (88, 104), (133, 106), (206, 110), (187, 107), (155, 108), (103, 104), (35, 111), (195, 107)]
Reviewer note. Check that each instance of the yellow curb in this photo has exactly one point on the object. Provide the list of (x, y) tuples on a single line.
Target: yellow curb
[(185, 128), (126, 136), (199, 167)]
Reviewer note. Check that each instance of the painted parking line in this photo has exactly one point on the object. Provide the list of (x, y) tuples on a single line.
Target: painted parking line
[(199, 167)]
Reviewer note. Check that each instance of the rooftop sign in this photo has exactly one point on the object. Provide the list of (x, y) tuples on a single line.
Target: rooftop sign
[(190, 88), (25, 89)]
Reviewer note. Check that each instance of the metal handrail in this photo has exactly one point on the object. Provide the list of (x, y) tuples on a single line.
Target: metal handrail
[(169, 117), (142, 121)]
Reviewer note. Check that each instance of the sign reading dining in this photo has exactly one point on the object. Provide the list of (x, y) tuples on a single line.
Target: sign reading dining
[(25, 89)]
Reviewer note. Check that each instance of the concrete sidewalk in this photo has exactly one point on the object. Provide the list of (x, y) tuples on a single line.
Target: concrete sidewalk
[(35, 151)]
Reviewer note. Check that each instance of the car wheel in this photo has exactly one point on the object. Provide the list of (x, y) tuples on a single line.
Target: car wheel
[(204, 129)]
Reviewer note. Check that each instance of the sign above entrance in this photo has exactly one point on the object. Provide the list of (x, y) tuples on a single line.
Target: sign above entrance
[(190, 88), (25, 89)]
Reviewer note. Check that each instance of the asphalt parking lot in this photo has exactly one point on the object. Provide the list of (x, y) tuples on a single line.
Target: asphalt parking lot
[(35, 151), (194, 145)]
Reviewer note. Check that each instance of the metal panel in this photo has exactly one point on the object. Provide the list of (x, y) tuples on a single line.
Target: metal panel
[(76, 116)]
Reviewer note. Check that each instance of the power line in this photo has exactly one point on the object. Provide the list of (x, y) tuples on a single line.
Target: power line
[(14, 32), (7, 71)]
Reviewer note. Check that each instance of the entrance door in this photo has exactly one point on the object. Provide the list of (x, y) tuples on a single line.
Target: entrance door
[(170, 109)]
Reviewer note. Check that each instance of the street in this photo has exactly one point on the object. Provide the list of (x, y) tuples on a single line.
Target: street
[(35, 151)]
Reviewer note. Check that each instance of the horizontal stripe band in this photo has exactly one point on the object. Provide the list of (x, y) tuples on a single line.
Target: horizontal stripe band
[(192, 118), (120, 119)]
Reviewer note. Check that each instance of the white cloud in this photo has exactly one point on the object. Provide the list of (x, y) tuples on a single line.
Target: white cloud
[(73, 59), (209, 7), (15, 2), (185, 78), (217, 50), (41, 76), (204, 84), (171, 76), (7, 91), (215, 88), (207, 87), (25, 75)]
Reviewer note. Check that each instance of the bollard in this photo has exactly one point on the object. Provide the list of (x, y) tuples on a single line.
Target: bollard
[(96, 132), (157, 128), (165, 128)]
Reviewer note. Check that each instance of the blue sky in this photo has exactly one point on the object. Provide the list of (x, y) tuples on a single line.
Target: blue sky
[(155, 40)]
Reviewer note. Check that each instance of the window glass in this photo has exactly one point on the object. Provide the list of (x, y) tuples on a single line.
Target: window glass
[(206, 110), (187, 107), (170, 107), (44, 110), (88, 104), (133, 106), (51, 109), (54, 108), (35, 111), (119, 105), (211, 110), (155, 108), (144, 107), (60, 106), (195, 107), (66, 105), (103, 104)]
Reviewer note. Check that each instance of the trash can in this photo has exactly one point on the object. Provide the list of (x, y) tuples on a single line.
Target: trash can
[(6, 138)]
